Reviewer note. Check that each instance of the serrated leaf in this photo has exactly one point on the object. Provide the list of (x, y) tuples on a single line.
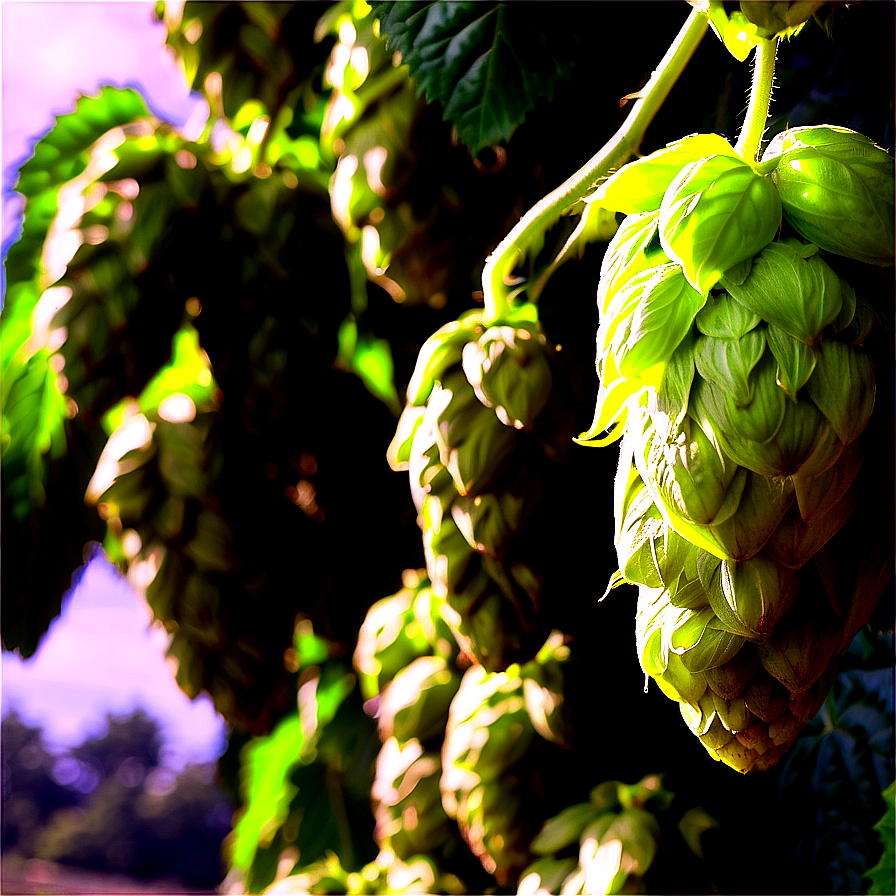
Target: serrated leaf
[(486, 63), (837, 770), (58, 158), (715, 214)]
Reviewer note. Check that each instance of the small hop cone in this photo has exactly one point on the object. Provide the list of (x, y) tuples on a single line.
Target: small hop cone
[(495, 722), (488, 733), (484, 425), (407, 801)]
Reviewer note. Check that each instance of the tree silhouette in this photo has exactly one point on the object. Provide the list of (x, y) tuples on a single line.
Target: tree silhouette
[(31, 792)]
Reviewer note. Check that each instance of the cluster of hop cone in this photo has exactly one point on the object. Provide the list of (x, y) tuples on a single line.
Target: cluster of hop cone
[(751, 502)]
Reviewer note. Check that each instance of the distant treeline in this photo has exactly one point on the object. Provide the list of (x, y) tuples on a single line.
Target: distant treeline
[(109, 804)]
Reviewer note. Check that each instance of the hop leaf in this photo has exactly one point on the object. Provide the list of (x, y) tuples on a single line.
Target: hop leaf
[(716, 213), (640, 185), (486, 63)]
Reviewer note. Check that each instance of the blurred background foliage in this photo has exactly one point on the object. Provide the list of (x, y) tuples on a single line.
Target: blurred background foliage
[(206, 344)]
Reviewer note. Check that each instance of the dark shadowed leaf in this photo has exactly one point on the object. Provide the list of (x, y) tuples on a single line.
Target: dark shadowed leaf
[(486, 63)]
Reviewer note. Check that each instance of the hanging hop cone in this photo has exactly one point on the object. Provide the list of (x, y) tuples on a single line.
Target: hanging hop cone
[(495, 722), (485, 418), (407, 801), (741, 370)]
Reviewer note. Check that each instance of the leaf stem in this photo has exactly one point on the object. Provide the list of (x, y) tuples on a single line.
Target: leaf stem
[(747, 145), (615, 153)]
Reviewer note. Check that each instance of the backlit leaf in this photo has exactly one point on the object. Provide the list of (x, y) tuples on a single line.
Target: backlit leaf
[(715, 214)]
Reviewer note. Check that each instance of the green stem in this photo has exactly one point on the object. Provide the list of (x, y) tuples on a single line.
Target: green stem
[(747, 145), (624, 143)]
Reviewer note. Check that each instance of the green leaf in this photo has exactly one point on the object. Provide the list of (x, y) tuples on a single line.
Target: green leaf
[(640, 185), (727, 363), (883, 874), (563, 829), (59, 156), (715, 214), (267, 763), (796, 360), (486, 63), (836, 188), (838, 776), (661, 320), (779, 19), (628, 253), (187, 374), (33, 431), (371, 359), (287, 768), (800, 295)]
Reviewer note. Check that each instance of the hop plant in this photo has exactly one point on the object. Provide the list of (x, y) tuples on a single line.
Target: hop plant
[(741, 367)]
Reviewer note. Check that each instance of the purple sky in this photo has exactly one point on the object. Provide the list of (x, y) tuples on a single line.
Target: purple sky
[(101, 655), (52, 51)]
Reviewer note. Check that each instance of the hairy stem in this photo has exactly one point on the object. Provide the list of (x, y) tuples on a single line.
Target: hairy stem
[(747, 145), (615, 153)]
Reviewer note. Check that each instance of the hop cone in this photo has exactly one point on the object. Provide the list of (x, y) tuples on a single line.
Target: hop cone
[(413, 712), (406, 661), (491, 754), (750, 466), (485, 421), (397, 630)]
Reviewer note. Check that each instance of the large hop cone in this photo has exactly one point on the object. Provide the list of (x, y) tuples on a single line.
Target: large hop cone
[(486, 418), (751, 471)]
